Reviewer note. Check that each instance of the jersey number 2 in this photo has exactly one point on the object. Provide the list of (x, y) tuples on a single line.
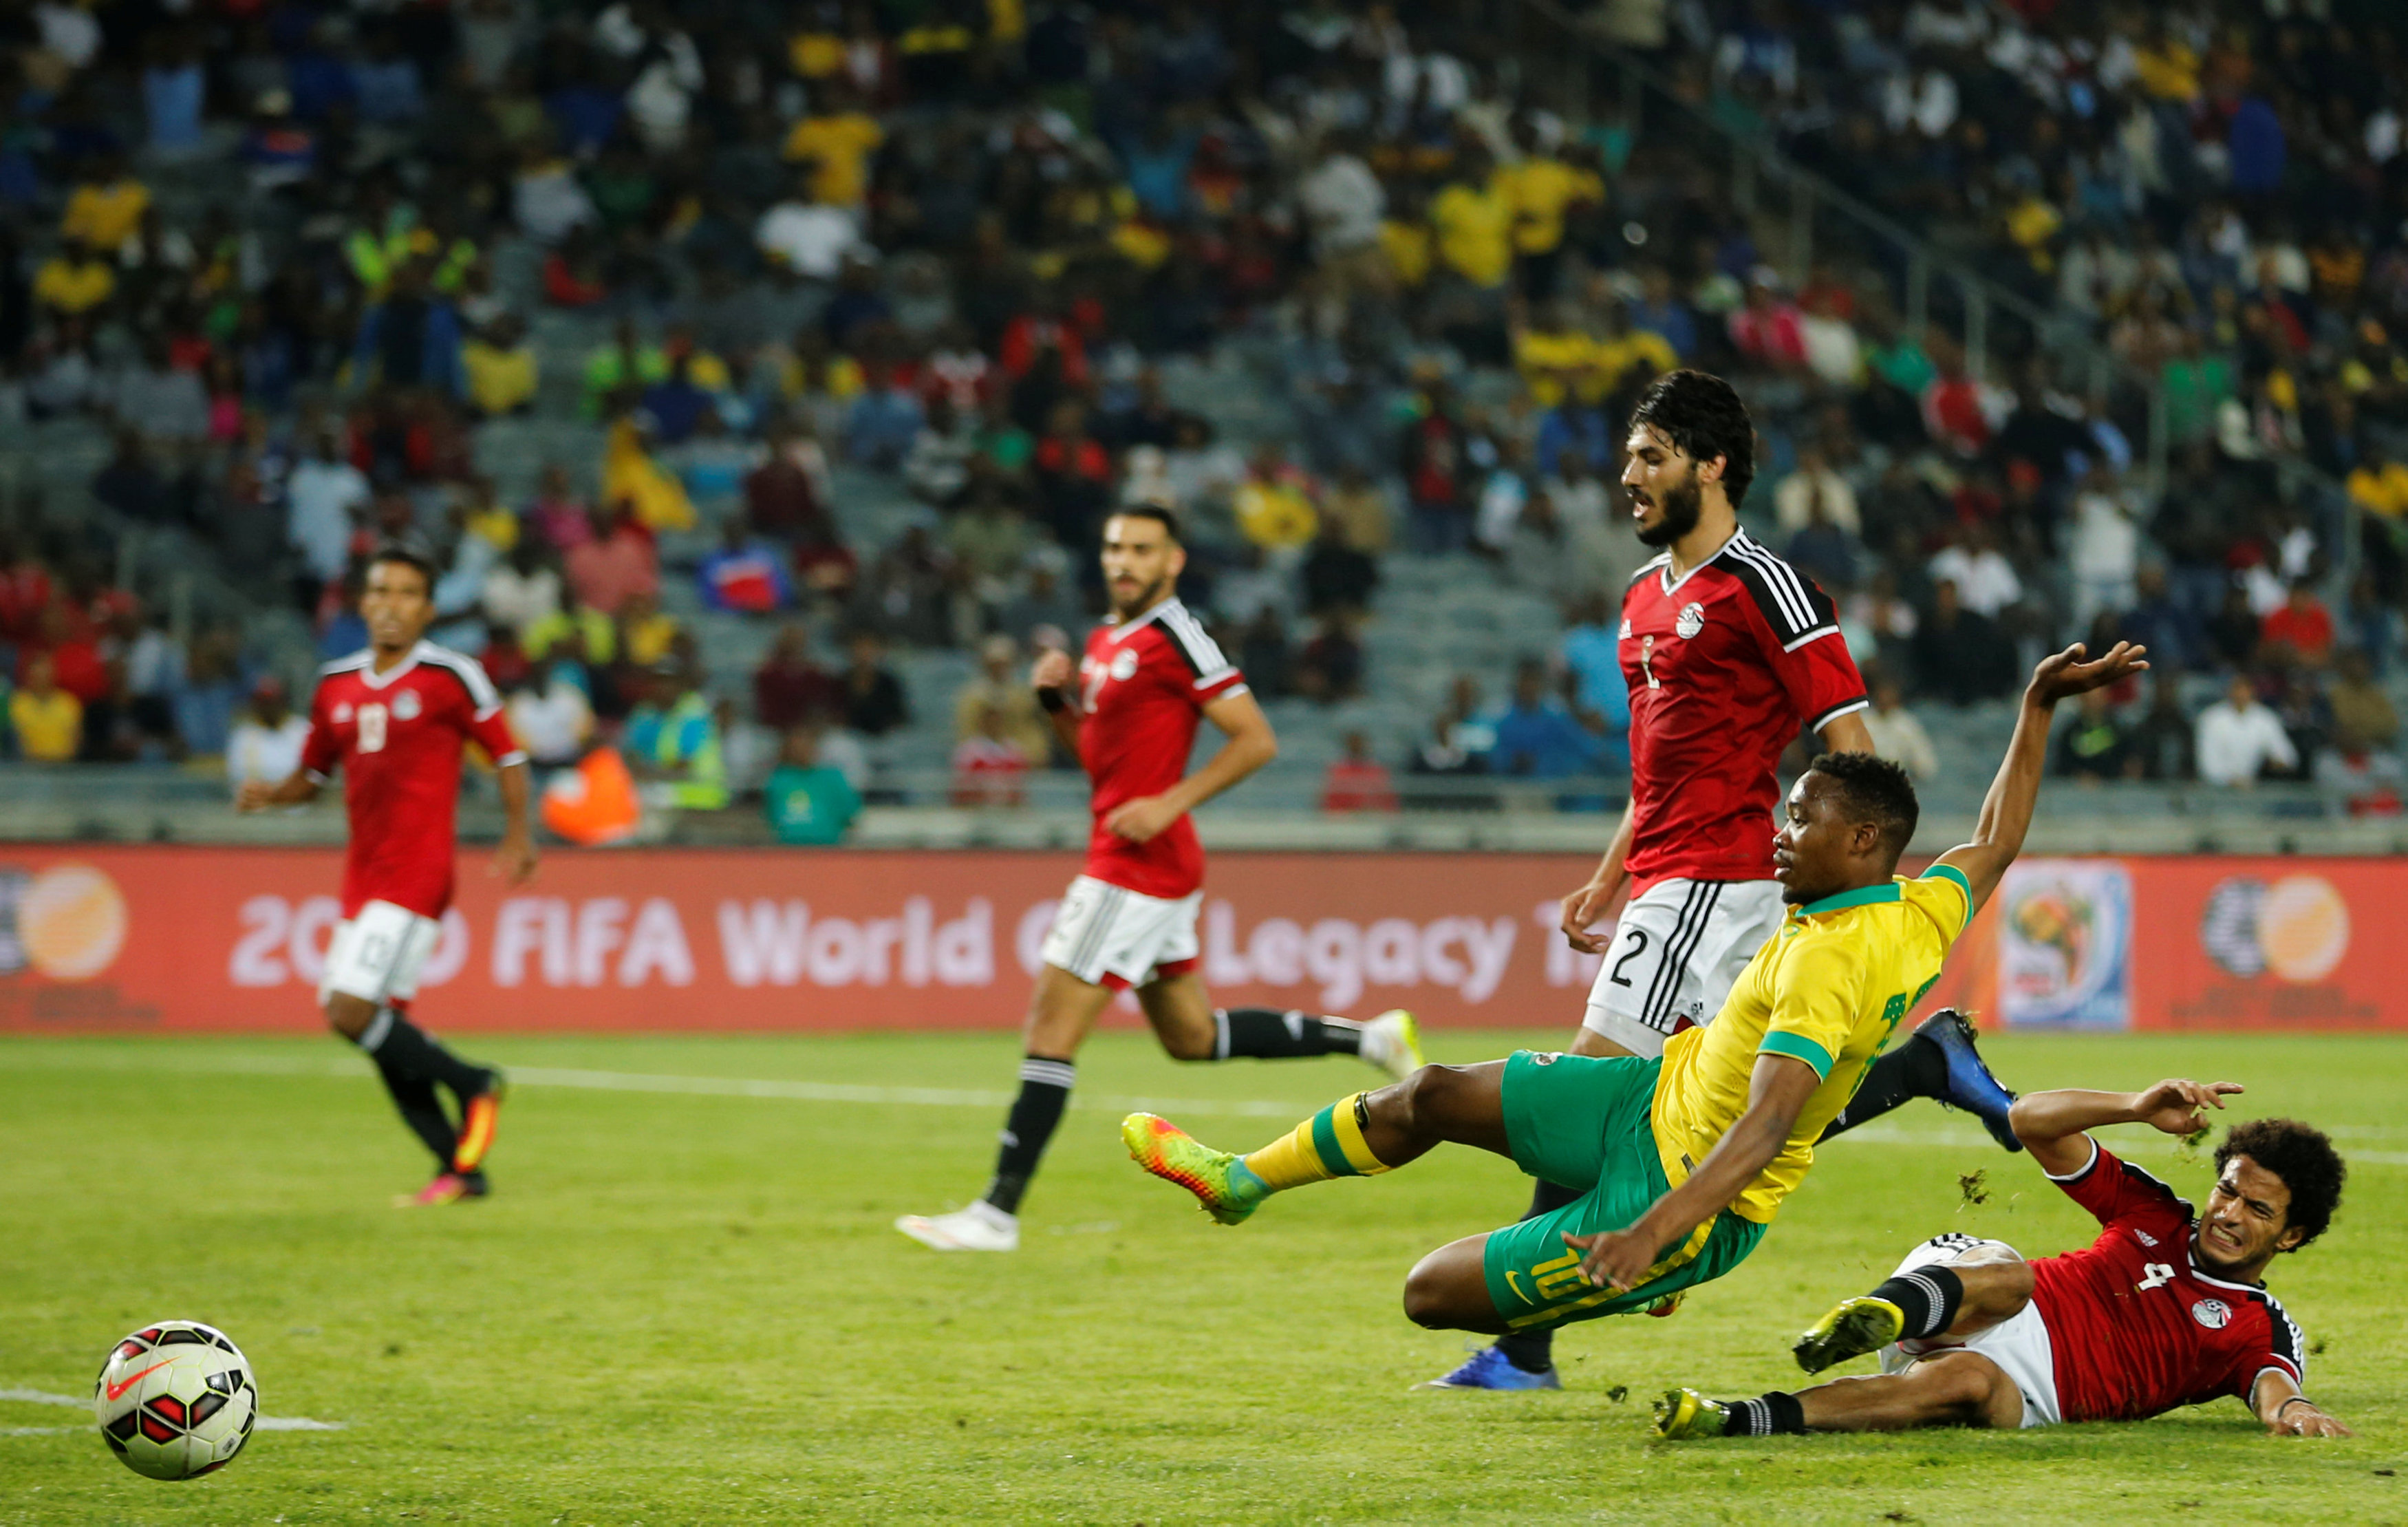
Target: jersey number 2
[(372, 719)]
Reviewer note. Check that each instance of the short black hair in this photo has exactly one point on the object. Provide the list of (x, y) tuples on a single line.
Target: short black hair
[(408, 556), (2299, 1154), (1166, 518), (1700, 414), (1878, 790)]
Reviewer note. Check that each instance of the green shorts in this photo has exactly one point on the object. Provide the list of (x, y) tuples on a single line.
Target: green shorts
[(1583, 1121)]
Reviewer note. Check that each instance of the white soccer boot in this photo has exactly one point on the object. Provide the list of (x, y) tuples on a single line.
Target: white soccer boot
[(982, 1227), (1392, 1043)]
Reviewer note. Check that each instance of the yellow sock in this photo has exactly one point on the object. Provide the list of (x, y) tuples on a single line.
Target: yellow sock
[(1328, 1145)]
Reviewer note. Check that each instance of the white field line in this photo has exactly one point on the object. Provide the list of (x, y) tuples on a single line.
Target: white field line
[(792, 1091), (43, 1397)]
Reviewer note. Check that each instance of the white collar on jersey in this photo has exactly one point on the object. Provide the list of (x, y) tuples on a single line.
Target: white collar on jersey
[(1118, 630), (2205, 1276), (369, 676), (1664, 574)]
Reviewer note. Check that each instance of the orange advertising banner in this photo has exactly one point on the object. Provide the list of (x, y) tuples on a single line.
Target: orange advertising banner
[(100, 939)]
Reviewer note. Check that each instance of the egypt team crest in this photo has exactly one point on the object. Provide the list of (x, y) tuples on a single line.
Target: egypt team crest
[(2214, 1314), (1691, 620), (1124, 665), (405, 705)]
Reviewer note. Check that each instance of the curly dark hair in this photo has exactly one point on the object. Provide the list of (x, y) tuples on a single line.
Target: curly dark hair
[(2302, 1156), (1878, 790), (1702, 415), (1166, 518)]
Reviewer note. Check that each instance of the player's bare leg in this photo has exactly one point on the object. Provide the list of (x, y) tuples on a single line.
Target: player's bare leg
[(1959, 1296), (1946, 1389), (1448, 1290), (1362, 1135)]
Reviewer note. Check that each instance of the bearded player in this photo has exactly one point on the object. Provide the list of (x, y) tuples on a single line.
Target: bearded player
[(1680, 1162), (395, 718), (1128, 922), (1729, 653), (2168, 1307)]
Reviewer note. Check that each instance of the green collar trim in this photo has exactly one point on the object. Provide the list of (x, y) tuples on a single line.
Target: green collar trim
[(1865, 897)]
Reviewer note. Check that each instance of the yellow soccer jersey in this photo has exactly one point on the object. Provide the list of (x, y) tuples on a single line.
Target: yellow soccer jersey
[(1829, 989)]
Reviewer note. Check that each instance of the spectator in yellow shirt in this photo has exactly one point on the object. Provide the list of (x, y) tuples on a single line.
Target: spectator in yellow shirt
[(501, 368), (838, 140), (1274, 505), (48, 721), (75, 281), (1557, 358), (107, 211), (2379, 485), (1473, 216), (1543, 188)]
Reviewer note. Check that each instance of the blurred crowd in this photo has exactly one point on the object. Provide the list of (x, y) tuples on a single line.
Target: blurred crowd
[(307, 264)]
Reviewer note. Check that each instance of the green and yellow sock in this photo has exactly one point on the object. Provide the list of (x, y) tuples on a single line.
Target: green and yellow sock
[(1328, 1145)]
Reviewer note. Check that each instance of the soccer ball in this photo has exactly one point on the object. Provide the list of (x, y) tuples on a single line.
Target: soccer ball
[(175, 1399)]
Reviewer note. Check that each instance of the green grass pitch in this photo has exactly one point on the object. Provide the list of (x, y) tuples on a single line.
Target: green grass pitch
[(682, 1306)]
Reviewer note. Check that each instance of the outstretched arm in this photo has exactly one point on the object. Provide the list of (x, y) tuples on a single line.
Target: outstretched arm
[(1777, 1090), (2287, 1413), (2052, 1124), (2007, 810)]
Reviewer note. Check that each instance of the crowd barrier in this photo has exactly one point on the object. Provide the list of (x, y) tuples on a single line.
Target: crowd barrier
[(104, 938)]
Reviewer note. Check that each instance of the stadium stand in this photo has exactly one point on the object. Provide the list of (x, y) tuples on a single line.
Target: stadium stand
[(798, 351)]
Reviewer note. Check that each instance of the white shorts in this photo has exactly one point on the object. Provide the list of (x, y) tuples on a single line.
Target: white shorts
[(1675, 954), (2018, 1344), (376, 955), (1108, 935)]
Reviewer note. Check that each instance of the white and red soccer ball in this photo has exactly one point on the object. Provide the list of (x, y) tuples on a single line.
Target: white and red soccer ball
[(176, 1400)]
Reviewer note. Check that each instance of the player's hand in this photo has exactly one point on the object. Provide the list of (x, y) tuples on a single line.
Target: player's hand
[(1142, 819), (1584, 909), (2175, 1106), (514, 860), (1051, 671), (254, 796), (2303, 1419), (1614, 1258), (2064, 674)]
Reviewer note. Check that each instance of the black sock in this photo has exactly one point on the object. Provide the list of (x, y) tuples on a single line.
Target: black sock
[(1916, 1069), (1044, 1092), (396, 1042), (1930, 1297), (1534, 1351), (1769, 1416), (1266, 1034), (422, 1111)]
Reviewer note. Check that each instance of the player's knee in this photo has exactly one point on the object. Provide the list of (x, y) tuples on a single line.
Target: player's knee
[(1429, 1298), (1428, 1098)]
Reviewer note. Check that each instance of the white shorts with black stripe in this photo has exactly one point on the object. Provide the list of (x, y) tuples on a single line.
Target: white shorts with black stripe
[(1676, 952), (1108, 935), (2019, 1345)]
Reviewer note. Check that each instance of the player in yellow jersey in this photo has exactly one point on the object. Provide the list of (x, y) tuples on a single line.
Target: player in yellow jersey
[(1681, 1162)]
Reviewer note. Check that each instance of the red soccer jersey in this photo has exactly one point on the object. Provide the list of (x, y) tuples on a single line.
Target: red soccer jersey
[(397, 736), (1726, 666), (2136, 1327), (1143, 683)]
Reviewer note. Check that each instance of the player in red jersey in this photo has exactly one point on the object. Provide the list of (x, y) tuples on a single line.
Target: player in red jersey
[(393, 719), (2168, 1307), (1729, 653), (1128, 921)]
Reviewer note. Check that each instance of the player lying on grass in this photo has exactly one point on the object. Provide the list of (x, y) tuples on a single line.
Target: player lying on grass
[(395, 717), (1129, 710), (2166, 1308), (1682, 1160)]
